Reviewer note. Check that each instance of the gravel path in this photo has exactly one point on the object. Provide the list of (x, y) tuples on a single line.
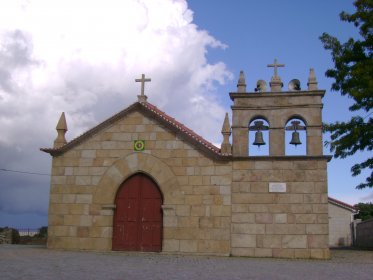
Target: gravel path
[(37, 262)]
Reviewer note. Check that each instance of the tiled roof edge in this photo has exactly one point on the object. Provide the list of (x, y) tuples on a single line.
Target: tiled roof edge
[(342, 204), (189, 135), (185, 131), (89, 133)]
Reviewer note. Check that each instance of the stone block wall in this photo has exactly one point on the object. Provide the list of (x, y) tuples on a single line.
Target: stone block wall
[(85, 179), (214, 206), (364, 234), (6, 236), (277, 109), (290, 224)]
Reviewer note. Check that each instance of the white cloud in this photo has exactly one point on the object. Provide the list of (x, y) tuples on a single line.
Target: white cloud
[(82, 57)]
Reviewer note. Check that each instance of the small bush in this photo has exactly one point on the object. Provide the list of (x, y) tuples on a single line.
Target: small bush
[(15, 236)]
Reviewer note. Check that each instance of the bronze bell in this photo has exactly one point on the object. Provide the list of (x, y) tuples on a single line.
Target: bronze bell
[(259, 139), (295, 139)]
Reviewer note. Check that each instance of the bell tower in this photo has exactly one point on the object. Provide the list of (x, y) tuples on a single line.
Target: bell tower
[(282, 110)]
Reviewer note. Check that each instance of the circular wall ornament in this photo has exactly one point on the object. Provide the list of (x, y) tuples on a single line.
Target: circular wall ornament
[(139, 145)]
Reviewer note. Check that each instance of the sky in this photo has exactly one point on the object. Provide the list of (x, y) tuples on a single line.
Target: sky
[(82, 57)]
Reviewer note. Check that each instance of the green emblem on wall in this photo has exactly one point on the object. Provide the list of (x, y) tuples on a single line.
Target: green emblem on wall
[(139, 145)]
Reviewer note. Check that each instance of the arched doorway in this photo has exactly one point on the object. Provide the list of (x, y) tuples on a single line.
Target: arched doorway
[(138, 216)]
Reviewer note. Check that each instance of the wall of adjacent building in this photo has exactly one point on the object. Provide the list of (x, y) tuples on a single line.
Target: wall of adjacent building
[(340, 232), (364, 234)]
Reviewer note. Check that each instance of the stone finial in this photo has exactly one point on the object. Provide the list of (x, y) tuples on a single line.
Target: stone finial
[(241, 85), (312, 83), (61, 130), (142, 97), (226, 147), (276, 83), (226, 129)]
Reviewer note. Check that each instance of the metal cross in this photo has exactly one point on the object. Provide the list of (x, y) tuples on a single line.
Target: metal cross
[(276, 65), (142, 81)]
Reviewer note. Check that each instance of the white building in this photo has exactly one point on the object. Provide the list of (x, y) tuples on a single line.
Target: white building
[(341, 216)]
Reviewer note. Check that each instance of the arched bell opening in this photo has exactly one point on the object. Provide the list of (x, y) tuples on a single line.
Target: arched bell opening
[(295, 137), (258, 137)]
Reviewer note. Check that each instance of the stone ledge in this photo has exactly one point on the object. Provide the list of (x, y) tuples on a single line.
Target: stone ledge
[(108, 207), (284, 158)]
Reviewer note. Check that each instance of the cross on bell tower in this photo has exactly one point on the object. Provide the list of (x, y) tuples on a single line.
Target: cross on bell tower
[(276, 83), (142, 97)]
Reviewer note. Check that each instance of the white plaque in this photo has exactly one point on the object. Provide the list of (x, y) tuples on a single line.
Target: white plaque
[(277, 187)]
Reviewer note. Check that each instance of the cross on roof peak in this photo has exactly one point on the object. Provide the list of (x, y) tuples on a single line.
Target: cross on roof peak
[(142, 97), (275, 65)]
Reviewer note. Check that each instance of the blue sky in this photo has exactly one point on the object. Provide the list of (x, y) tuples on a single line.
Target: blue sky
[(193, 51), (259, 31)]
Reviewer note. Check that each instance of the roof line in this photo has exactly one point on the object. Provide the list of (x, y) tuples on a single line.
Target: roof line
[(182, 128), (342, 204), (172, 124)]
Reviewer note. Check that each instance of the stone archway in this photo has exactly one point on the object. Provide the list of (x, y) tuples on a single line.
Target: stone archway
[(103, 201), (125, 167)]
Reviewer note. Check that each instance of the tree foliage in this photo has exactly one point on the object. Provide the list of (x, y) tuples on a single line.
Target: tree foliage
[(365, 211), (353, 76), (43, 232)]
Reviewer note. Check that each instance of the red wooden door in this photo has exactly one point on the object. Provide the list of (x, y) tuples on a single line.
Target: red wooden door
[(138, 216)]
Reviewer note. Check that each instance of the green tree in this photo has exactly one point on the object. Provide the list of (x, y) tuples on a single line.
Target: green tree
[(353, 76), (365, 211), (43, 232)]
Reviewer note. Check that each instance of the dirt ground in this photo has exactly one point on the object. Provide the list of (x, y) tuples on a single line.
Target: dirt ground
[(36, 262), (352, 255)]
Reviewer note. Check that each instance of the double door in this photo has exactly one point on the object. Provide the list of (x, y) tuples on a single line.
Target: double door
[(138, 216)]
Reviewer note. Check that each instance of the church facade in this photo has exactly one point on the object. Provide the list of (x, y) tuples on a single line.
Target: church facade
[(142, 181)]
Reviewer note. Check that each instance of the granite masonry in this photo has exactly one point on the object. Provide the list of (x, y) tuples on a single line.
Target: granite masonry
[(214, 201)]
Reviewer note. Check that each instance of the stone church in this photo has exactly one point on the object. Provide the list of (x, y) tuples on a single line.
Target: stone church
[(142, 181)]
